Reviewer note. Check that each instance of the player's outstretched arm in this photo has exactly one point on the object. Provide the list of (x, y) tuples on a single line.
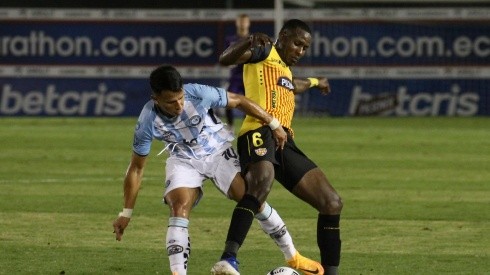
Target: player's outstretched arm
[(303, 84), (251, 108), (132, 183)]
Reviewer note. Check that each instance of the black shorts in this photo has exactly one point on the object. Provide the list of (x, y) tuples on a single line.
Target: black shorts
[(290, 164)]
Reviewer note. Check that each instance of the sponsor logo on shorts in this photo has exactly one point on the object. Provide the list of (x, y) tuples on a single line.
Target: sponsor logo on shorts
[(174, 249), (167, 183), (261, 151)]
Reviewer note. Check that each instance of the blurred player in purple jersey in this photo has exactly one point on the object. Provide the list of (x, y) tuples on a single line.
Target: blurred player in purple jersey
[(235, 82)]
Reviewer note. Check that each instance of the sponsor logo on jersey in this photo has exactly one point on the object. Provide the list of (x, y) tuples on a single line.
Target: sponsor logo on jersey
[(261, 151), (274, 98), (279, 61), (285, 82), (192, 97), (167, 135)]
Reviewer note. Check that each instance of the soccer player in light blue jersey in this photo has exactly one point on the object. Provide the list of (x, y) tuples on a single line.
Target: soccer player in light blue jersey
[(200, 148)]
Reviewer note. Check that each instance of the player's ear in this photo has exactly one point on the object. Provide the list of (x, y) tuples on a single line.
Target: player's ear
[(284, 34), (152, 96)]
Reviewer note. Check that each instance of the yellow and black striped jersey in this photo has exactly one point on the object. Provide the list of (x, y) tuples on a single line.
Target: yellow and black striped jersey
[(269, 83)]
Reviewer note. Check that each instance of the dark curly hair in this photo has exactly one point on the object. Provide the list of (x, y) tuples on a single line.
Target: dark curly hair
[(167, 78), (295, 23)]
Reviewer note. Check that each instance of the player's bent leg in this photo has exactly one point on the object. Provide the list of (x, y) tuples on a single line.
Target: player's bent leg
[(237, 188), (259, 178), (178, 245), (274, 226), (181, 200), (315, 189), (260, 174)]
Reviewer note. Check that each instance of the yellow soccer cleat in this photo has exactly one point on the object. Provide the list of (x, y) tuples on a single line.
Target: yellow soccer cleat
[(305, 265)]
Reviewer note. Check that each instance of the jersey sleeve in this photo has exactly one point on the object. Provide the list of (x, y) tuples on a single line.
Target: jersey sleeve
[(210, 96), (143, 134), (260, 53)]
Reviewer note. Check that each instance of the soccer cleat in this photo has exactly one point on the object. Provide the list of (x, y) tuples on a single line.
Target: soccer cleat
[(305, 265), (227, 266)]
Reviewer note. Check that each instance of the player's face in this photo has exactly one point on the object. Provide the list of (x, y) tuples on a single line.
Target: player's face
[(242, 25), (171, 103), (293, 45)]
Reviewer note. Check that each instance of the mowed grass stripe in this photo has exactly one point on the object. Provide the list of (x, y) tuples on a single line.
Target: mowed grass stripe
[(61, 187), (359, 235)]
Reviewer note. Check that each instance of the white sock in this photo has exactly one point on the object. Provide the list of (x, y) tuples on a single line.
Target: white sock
[(272, 224), (178, 244)]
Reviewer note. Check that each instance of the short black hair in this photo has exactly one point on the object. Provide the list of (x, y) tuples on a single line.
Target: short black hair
[(165, 77), (292, 24)]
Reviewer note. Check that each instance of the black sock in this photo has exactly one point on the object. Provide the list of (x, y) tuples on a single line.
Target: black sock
[(242, 219), (328, 238)]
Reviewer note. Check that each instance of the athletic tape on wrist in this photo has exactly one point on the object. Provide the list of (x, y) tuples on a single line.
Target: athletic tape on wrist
[(127, 212), (313, 81), (274, 124)]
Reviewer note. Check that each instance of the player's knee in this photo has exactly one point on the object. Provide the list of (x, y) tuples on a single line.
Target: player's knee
[(180, 208), (331, 205), (259, 186), (261, 193), (260, 179)]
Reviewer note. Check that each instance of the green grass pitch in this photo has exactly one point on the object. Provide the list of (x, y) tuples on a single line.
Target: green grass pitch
[(416, 195)]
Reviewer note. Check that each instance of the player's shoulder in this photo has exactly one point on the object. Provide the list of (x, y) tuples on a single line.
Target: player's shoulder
[(194, 90), (148, 112), (149, 107), (199, 91)]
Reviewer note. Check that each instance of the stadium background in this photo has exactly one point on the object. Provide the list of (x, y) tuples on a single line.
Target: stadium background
[(415, 189), (388, 58)]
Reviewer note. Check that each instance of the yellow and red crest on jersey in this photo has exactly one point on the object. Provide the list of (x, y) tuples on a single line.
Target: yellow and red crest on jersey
[(261, 151)]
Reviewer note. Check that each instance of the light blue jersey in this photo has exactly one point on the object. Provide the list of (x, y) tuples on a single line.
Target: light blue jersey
[(195, 133)]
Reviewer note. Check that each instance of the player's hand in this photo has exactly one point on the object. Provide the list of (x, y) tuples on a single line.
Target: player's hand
[(259, 39), (119, 225), (280, 136), (323, 85)]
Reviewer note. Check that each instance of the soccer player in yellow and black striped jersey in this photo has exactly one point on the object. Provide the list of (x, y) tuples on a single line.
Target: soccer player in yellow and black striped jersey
[(269, 82)]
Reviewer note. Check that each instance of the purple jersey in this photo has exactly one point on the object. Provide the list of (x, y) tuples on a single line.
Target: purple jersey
[(236, 73)]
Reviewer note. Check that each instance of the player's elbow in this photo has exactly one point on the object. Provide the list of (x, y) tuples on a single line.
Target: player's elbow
[(225, 60)]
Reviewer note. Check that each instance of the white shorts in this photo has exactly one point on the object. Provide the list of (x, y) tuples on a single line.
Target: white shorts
[(221, 168)]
